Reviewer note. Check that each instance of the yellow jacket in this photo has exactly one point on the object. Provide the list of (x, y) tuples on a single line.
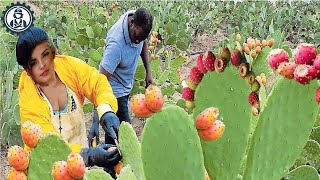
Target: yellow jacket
[(81, 78)]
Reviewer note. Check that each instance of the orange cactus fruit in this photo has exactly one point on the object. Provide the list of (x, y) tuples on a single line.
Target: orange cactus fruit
[(118, 167), (18, 158), (154, 98), (16, 175), (206, 118), (30, 133), (214, 132)]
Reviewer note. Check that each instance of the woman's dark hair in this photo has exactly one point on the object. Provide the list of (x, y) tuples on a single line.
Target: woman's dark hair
[(26, 43), (144, 19)]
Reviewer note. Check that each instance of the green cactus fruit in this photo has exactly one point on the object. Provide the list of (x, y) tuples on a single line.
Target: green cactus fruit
[(303, 172), (131, 149), (126, 173), (97, 174), (255, 86), (315, 135), (229, 93), (310, 154), (171, 146), (50, 148), (285, 122)]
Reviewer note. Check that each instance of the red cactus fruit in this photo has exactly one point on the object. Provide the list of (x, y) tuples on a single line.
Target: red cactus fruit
[(18, 158), (312, 72), (286, 69), (253, 98), (30, 133), (139, 106), (195, 75), (191, 84), (316, 62), (16, 175), (60, 171), (225, 55), (243, 70), (208, 60), (154, 98), (301, 74), (200, 65), (213, 132), (277, 56), (188, 94), (75, 165), (220, 65), (305, 53), (236, 58), (317, 95), (206, 118)]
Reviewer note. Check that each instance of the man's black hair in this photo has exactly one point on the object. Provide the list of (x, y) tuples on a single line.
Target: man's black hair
[(144, 19)]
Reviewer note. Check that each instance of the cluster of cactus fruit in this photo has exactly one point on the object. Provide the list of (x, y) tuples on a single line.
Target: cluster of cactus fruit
[(20, 159), (145, 105), (253, 47), (304, 67), (208, 62), (154, 41), (209, 128)]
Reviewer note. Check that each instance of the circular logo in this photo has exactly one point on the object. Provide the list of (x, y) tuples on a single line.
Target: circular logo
[(18, 18)]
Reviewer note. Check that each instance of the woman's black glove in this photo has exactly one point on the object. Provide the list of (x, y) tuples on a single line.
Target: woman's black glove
[(104, 155)]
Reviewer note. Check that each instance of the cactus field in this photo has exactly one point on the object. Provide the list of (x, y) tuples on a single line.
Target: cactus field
[(236, 92)]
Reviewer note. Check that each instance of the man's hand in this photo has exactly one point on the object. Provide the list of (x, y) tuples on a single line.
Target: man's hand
[(110, 123), (148, 79), (94, 131)]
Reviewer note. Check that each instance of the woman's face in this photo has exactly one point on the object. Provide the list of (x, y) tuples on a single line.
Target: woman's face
[(41, 66)]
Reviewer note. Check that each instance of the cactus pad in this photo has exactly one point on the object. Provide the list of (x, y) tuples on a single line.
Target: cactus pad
[(303, 172), (130, 149), (228, 92), (97, 174), (50, 148), (171, 147), (284, 124), (310, 154), (315, 135), (126, 173)]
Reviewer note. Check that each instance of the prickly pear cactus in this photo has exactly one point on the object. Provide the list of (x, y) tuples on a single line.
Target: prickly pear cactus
[(285, 122), (97, 174), (303, 172), (310, 154), (126, 173), (131, 149), (228, 92), (50, 148), (171, 147), (315, 135)]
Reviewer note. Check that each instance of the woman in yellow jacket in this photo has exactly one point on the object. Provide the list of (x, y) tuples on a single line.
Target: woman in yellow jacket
[(52, 90)]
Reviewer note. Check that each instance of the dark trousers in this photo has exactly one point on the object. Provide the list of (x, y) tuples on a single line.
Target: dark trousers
[(122, 114)]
